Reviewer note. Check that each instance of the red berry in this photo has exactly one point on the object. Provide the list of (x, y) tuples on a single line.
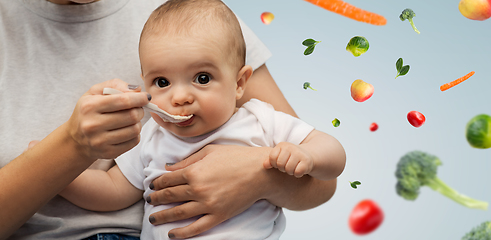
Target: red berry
[(373, 127)]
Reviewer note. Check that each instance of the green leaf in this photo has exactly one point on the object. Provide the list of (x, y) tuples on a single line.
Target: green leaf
[(309, 50), (354, 184), (308, 42), (399, 64), (404, 70)]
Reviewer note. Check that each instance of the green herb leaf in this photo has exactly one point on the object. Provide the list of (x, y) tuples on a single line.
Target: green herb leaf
[(354, 184), (336, 122), (308, 42), (399, 64), (309, 50), (404, 70)]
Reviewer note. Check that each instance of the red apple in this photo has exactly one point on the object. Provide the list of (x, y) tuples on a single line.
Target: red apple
[(475, 9), (361, 91), (267, 17)]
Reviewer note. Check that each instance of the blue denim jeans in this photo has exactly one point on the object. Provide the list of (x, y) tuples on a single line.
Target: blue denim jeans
[(111, 236)]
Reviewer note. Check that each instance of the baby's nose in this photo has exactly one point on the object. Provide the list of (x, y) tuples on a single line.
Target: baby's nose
[(182, 97)]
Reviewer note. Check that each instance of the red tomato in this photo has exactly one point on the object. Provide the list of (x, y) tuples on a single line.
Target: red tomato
[(373, 127), (416, 118), (365, 217)]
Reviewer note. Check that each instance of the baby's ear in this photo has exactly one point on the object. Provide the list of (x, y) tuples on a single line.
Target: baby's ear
[(244, 74)]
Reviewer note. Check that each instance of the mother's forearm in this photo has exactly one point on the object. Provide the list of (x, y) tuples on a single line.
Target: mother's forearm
[(298, 193), (28, 182)]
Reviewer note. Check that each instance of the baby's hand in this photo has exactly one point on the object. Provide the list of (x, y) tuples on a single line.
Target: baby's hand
[(290, 158)]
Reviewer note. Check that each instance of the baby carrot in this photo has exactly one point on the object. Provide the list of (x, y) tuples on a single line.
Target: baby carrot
[(455, 82), (350, 11)]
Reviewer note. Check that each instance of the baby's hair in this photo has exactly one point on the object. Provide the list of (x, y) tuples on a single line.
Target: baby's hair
[(183, 17)]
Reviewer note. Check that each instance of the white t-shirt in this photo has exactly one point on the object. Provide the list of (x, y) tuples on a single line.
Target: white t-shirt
[(255, 124), (49, 56)]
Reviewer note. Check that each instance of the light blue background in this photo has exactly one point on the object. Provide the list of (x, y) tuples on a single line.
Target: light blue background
[(448, 47)]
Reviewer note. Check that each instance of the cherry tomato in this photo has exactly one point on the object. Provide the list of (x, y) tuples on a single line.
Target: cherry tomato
[(373, 127), (365, 217), (416, 118)]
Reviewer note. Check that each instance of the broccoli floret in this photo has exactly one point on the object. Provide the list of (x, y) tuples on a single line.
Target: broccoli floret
[(307, 85), (416, 169), (481, 232), (409, 14)]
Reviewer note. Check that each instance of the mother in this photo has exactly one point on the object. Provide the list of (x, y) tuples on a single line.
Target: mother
[(51, 51)]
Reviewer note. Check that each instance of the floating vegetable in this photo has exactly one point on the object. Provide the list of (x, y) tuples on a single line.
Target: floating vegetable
[(350, 11), (373, 127), (267, 17), (480, 232), (307, 85), (365, 217), (446, 86), (336, 122), (357, 45), (416, 118), (478, 131), (409, 14), (310, 44), (354, 184), (416, 169), (361, 91), (401, 70), (475, 9)]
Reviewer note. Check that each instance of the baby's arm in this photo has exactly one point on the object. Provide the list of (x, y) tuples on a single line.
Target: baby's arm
[(99, 190), (318, 155)]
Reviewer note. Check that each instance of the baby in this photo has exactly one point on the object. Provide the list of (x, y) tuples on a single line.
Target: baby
[(192, 56)]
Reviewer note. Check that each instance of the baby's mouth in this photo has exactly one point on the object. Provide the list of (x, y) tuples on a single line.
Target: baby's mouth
[(185, 123)]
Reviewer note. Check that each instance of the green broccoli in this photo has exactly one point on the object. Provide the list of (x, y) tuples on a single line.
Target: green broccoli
[(307, 85), (409, 14), (481, 232), (416, 169)]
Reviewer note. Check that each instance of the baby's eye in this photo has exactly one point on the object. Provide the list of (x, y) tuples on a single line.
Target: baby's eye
[(202, 78), (161, 82)]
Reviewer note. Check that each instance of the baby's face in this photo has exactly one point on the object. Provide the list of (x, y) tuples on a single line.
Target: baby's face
[(189, 76)]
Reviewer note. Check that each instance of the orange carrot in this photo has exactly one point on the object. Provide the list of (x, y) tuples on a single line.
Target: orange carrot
[(350, 11), (455, 82)]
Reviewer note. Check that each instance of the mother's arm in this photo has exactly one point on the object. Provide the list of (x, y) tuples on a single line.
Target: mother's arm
[(94, 131), (223, 181)]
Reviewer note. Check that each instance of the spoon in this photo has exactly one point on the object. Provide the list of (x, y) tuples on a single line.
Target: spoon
[(154, 108)]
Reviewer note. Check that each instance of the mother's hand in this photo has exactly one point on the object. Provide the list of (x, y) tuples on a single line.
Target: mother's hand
[(100, 127), (107, 126), (218, 182)]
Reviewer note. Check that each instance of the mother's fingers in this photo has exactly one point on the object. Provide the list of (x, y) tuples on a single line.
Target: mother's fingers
[(169, 179), (201, 225), (180, 212), (116, 120), (113, 103), (123, 134)]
